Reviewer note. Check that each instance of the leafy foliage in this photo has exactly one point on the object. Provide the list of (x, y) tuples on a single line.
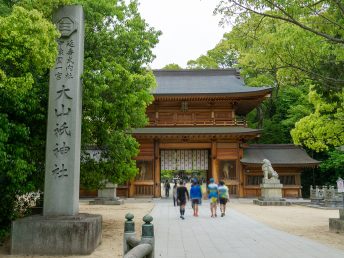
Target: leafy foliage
[(323, 129), (172, 67), (27, 50), (280, 115), (282, 54), (118, 44), (5, 7), (116, 88), (305, 37), (296, 47), (322, 18), (334, 163), (223, 55), (289, 44)]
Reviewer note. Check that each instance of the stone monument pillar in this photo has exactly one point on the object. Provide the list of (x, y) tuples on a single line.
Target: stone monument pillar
[(62, 165), (62, 230), (271, 187)]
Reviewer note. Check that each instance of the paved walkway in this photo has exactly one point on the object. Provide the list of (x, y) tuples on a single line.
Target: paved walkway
[(235, 236)]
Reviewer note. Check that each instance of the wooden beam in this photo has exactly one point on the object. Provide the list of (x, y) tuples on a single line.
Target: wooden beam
[(185, 145)]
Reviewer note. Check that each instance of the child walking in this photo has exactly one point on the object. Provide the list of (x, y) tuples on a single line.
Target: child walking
[(182, 193), (224, 197), (196, 196)]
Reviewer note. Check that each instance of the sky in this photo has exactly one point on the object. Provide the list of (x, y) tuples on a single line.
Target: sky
[(189, 29)]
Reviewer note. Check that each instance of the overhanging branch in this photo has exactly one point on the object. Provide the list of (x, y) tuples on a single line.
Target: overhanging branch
[(290, 19)]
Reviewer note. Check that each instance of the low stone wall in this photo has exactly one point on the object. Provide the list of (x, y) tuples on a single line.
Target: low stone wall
[(326, 196)]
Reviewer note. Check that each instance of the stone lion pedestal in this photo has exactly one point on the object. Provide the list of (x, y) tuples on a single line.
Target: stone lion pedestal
[(271, 188), (271, 193), (107, 196)]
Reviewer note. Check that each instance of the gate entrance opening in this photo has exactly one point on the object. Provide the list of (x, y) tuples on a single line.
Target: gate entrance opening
[(189, 161), (183, 165)]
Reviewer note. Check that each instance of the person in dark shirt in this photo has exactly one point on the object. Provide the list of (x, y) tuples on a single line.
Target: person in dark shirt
[(167, 187), (182, 194), (175, 193)]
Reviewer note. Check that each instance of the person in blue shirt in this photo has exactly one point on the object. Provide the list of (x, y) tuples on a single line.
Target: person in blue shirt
[(196, 196), (213, 195)]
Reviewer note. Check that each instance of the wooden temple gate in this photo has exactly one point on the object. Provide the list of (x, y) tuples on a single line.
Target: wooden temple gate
[(203, 111), (197, 111), (220, 160)]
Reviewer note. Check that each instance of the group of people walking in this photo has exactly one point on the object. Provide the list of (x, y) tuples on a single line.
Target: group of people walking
[(217, 193)]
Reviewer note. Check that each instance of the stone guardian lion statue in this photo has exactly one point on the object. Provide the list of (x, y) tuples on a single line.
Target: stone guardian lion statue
[(268, 171)]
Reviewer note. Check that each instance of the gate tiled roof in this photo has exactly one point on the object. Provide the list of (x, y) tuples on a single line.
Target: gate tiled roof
[(278, 154), (205, 81)]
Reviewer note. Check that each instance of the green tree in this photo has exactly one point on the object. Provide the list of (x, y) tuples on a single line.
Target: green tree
[(172, 67), (5, 7), (280, 116), (276, 53), (333, 166), (323, 18), (27, 50), (324, 128), (223, 55), (294, 46), (118, 45), (321, 21)]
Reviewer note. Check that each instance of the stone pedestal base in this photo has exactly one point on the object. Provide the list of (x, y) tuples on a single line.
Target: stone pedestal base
[(107, 196), (56, 235), (106, 201), (271, 190), (281, 202), (271, 193), (337, 225)]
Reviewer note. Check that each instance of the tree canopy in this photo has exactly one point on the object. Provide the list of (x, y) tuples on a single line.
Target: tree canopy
[(172, 67), (318, 23), (295, 47), (324, 128), (323, 18), (27, 50), (116, 91), (223, 55), (281, 44)]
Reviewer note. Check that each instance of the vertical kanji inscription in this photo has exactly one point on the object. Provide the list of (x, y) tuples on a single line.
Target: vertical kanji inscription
[(62, 173)]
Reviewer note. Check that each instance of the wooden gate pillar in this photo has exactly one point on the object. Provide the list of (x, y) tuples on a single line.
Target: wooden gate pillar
[(131, 188), (240, 172), (214, 161), (157, 183)]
